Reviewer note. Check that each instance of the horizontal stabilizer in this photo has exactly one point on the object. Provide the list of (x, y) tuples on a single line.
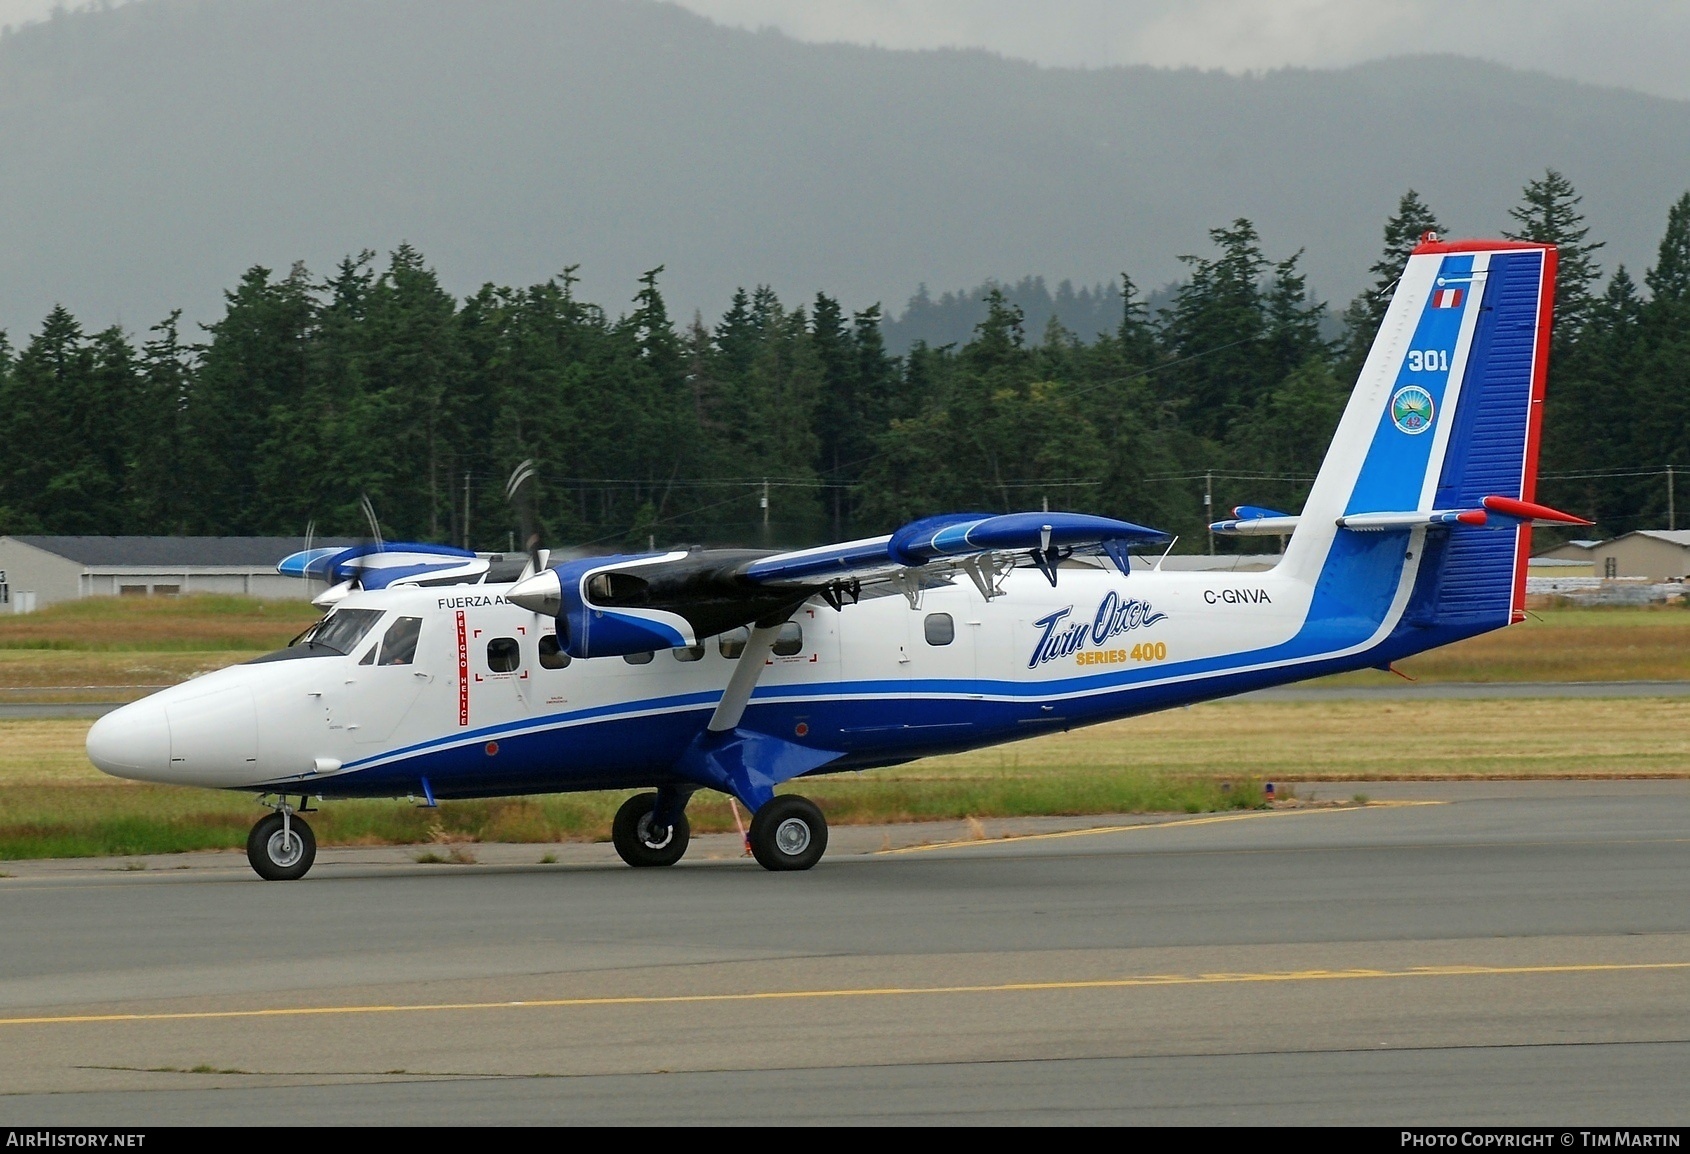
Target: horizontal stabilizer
[(1254, 521), (1411, 519), (1496, 512)]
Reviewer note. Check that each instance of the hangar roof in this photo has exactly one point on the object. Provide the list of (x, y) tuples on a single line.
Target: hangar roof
[(176, 552)]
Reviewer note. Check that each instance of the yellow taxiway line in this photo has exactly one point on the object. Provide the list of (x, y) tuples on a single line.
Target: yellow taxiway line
[(1185, 821), (1138, 981)]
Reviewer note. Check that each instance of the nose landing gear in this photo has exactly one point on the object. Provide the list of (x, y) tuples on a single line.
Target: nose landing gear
[(281, 847)]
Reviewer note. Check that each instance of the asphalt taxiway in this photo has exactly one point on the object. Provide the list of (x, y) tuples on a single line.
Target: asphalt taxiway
[(1452, 953)]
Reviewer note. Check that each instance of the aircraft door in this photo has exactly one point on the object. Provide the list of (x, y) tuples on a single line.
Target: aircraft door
[(386, 681), (495, 662), (937, 659), (939, 644)]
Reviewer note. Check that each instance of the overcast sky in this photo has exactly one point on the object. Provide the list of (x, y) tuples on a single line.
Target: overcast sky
[(1643, 44)]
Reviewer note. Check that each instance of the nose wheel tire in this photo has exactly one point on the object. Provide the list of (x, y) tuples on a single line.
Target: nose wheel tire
[(639, 843), (788, 833), (279, 855)]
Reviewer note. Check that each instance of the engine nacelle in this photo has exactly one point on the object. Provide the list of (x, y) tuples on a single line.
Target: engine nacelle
[(614, 606), (593, 616)]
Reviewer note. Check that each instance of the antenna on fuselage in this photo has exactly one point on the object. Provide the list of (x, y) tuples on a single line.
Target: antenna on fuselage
[(1157, 568)]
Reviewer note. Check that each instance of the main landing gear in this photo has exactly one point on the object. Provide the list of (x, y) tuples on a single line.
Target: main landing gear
[(642, 840), (787, 833), (281, 847)]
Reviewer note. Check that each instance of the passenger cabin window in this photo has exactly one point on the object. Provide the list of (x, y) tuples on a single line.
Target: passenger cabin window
[(789, 642), (504, 655), (638, 658), (689, 652), (939, 628), (399, 645), (552, 655)]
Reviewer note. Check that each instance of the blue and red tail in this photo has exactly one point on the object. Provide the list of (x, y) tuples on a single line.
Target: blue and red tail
[(1438, 446)]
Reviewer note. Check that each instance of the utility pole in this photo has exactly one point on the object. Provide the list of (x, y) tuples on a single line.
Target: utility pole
[(1672, 516), (466, 510), (1209, 507), (765, 504)]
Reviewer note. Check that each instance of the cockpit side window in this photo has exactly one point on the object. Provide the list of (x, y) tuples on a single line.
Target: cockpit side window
[(343, 629), (399, 646)]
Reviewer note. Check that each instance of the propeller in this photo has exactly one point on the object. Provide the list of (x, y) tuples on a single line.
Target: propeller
[(336, 593), (519, 495)]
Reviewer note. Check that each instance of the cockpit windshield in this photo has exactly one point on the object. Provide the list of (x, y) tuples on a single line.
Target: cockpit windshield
[(342, 630)]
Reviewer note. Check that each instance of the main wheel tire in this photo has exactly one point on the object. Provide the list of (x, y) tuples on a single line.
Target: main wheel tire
[(637, 844), (788, 833), (276, 859)]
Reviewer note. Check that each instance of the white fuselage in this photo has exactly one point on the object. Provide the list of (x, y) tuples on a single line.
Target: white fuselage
[(879, 681)]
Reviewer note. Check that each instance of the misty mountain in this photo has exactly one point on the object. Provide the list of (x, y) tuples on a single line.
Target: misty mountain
[(151, 152)]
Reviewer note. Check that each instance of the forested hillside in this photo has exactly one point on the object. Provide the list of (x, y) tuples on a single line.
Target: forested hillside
[(312, 390), (151, 152)]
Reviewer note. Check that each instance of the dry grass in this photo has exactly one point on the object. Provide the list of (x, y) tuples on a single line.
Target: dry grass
[(1563, 645), (48, 752), (1296, 741), (198, 623), (73, 675)]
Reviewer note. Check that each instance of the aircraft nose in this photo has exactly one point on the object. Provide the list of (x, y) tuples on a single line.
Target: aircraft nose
[(132, 742)]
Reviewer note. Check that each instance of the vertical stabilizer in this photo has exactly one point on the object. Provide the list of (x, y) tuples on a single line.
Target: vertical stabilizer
[(1446, 412)]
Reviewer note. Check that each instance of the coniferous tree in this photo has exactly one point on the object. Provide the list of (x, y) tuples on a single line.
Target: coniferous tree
[(158, 450), (1413, 219), (1215, 329), (1590, 421), (257, 361), (1662, 399), (1548, 213)]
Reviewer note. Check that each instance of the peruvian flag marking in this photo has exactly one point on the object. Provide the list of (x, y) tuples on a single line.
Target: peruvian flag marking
[(1447, 299)]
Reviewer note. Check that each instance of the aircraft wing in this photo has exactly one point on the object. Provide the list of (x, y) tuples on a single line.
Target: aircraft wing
[(375, 565), (608, 606)]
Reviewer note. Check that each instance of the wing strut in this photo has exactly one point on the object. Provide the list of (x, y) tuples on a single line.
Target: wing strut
[(742, 762), (752, 660)]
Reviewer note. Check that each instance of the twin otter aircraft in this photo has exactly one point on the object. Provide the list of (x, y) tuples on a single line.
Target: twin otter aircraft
[(740, 670)]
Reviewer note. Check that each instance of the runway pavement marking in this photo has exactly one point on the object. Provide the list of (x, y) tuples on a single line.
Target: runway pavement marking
[(1142, 980), (1186, 821)]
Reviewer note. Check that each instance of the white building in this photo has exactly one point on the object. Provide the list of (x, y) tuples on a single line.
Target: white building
[(1653, 554), (39, 571)]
